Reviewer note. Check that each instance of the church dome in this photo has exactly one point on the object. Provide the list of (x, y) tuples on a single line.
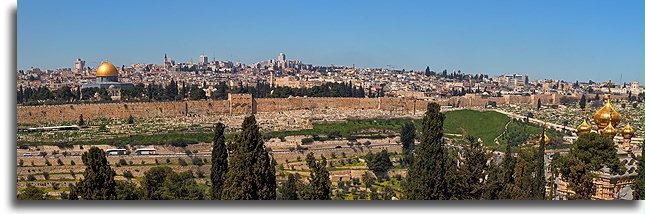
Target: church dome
[(584, 128), (607, 114), (627, 132), (106, 69), (610, 131), (544, 137)]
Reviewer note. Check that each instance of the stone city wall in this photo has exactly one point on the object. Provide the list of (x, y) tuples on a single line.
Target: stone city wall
[(245, 104)]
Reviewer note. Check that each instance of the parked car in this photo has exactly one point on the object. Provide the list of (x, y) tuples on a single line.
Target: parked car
[(27, 154), (338, 147)]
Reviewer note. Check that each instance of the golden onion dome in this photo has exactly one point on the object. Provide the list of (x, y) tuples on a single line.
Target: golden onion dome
[(627, 132), (605, 115), (106, 69), (544, 136), (610, 131), (584, 127)]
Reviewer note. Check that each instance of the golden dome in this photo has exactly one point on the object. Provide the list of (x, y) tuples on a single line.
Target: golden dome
[(607, 114), (106, 69), (584, 127), (544, 136), (610, 131), (627, 132)]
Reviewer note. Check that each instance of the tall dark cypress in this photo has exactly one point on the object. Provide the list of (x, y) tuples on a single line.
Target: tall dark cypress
[(319, 183), (250, 175), (98, 179), (427, 174), (408, 134), (220, 163), (540, 183), (289, 189)]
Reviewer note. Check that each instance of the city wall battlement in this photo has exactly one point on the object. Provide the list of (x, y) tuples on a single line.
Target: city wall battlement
[(246, 104)]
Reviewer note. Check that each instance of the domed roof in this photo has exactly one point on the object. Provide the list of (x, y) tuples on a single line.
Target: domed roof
[(584, 127), (627, 132), (607, 114), (610, 131), (106, 69), (544, 136)]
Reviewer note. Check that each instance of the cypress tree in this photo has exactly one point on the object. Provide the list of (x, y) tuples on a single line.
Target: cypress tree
[(98, 179), (408, 133), (250, 175), (540, 188), (427, 174), (319, 183), (219, 161), (289, 189), (473, 170), (81, 122)]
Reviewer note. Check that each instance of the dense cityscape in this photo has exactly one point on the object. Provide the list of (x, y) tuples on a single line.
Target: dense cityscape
[(282, 129)]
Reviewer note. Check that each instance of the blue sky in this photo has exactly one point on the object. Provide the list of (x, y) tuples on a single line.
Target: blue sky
[(554, 39)]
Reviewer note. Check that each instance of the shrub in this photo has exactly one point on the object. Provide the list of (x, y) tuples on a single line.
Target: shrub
[(21, 162), (31, 177), (333, 134), (42, 154), (54, 185), (143, 162), (47, 162), (46, 175), (72, 174), (352, 138), (197, 161), (182, 162), (127, 174), (167, 160), (333, 155), (72, 163), (200, 174), (60, 162), (307, 140), (317, 138), (123, 162)]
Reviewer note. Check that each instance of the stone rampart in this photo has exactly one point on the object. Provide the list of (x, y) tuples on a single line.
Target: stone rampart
[(246, 104)]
